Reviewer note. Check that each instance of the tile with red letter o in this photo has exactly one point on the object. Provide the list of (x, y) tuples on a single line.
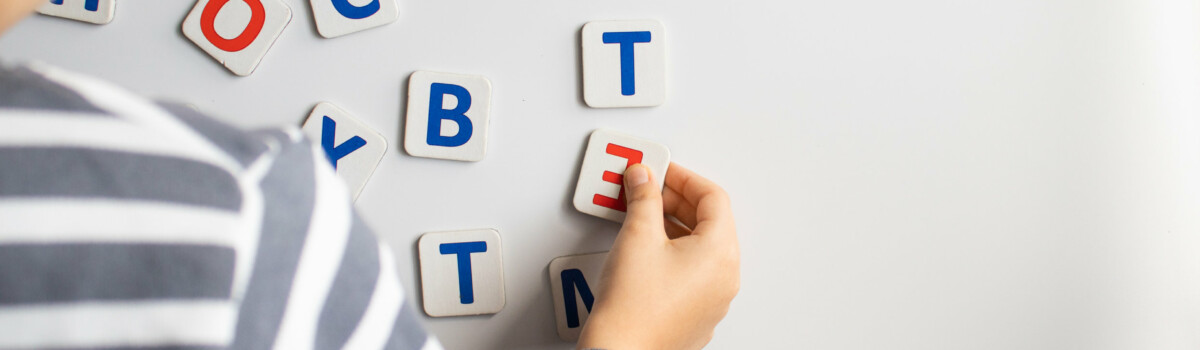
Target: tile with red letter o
[(448, 116), (462, 272), (340, 17), (353, 148), (601, 189), (90, 11), (624, 63), (574, 283), (237, 33)]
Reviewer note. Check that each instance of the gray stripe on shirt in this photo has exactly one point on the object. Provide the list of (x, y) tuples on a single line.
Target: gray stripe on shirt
[(352, 289), (289, 196), (88, 173), (58, 273), (407, 333), (243, 147), (21, 88)]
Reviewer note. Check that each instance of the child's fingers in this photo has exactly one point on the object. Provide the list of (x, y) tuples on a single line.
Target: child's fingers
[(644, 211), (676, 229), (675, 205), (713, 212)]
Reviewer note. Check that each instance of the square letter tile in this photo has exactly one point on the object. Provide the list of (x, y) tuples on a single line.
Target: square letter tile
[(340, 17), (624, 63), (600, 190), (235, 33), (90, 11), (574, 281), (462, 272), (448, 116), (352, 147)]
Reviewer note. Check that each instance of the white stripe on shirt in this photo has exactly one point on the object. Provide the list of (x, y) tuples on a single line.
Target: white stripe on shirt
[(33, 130), (319, 259), (375, 328), (41, 220), (132, 324), (432, 343), (252, 218), (144, 112)]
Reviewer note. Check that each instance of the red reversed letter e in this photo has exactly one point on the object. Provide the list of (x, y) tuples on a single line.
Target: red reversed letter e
[(634, 156)]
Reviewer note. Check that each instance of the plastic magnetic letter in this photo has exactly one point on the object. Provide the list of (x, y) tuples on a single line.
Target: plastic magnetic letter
[(466, 294), (328, 128), (573, 280), (634, 156), (90, 5), (258, 16), (626, 39), (355, 12), (458, 115)]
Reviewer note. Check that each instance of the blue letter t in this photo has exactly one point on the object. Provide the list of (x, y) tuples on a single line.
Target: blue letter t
[(626, 39)]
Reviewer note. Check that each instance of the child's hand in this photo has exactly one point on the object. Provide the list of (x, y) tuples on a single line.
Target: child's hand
[(666, 286)]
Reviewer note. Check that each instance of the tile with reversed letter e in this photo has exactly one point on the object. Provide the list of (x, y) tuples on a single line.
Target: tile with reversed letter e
[(601, 190)]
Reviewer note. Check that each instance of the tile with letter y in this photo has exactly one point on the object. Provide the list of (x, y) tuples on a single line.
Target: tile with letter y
[(340, 17), (448, 116), (353, 148), (601, 190), (90, 11), (624, 63), (237, 34), (462, 272), (574, 281)]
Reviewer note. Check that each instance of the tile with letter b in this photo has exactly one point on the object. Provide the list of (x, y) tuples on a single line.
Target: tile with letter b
[(353, 148), (237, 34), (574, 281), (448, 116), (340, 17), (624, 63), (462, 272), (90, 11), (601, 190)]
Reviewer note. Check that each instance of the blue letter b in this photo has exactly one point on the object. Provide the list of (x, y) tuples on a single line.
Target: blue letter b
[(458, 115)]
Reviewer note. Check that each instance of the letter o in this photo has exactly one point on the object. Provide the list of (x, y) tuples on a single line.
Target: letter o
[(258, 16)]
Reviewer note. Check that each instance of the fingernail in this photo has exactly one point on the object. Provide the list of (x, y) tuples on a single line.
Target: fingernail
[(636, 175)]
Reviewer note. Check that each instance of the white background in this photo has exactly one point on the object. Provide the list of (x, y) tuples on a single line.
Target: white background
[(927, 174)]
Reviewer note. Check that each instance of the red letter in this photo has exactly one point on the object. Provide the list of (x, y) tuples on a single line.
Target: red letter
[(634, 156), (257, 16)]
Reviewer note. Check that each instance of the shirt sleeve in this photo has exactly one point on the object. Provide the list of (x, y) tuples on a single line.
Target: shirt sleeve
[(320, 277), (344, 291), (188, 232)]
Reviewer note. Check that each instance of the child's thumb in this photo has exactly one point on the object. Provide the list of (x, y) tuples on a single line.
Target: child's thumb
[(644, 211)]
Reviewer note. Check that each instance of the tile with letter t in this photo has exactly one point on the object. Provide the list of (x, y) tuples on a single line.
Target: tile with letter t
[(237, 34), (90, 11), (353, 148), (462, 272), (448, 116), (624, 63), (340, 17), (574, 281), (601, 190)]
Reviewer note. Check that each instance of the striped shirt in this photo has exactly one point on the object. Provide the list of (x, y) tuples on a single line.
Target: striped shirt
[(129, 224)]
